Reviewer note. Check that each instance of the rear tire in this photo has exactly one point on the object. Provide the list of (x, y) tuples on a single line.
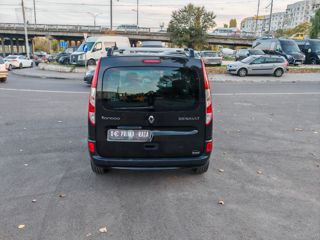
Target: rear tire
[(3, 80), (65, 62), (20, 65), (202, 169), (10, 67), (313, 61), (31, 66), (278, 72), (242, 72), (96, 169)]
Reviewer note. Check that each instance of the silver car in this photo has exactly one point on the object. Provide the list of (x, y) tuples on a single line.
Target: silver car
[(259, 65), (211, 58)]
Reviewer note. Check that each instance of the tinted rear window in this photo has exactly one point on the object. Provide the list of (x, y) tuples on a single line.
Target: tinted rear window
[(154, 88)]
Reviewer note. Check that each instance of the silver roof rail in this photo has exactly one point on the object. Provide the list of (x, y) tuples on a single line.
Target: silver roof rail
[(114, 51)]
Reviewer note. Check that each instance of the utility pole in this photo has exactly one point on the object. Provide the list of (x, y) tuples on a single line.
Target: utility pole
[(257, 17), (111, 15), (34, 12), (25, 29), (270, 16), (137, 15)]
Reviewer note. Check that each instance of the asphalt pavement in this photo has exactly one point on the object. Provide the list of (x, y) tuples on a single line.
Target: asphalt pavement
[(266, 139)]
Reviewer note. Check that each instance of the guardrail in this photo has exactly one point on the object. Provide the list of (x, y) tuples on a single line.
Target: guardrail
[(68, 28)]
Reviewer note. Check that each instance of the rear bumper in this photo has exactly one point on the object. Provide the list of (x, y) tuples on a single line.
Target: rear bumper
[(3, 74), (179, 162)]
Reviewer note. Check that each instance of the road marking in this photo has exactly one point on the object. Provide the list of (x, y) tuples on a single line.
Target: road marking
[(282, 93), (41, 91)]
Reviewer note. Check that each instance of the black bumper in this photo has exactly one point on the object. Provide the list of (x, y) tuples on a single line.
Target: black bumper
[(159, 163)]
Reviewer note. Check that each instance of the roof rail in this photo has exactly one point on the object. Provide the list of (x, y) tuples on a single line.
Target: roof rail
[(115, 51)]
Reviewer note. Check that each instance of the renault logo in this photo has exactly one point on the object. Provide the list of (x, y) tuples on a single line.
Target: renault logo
[(151, 119)]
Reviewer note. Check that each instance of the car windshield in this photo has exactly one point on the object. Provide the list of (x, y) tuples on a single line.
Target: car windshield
[(315, 45), (256, 52), (289, 46), (156, 88), (11, 57), (209, 54), (89, 44), (248, 59)]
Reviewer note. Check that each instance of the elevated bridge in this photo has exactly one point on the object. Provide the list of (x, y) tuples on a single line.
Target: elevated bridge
[(12, 35)]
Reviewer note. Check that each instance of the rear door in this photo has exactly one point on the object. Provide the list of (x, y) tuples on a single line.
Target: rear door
[(163, 99), (257, 66)]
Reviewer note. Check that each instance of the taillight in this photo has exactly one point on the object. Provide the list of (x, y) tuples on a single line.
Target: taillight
[(287, 62), (209, 146), (5, 66), (35, 58), (91, 146), (151, 61), (92, 97), (209, 113)]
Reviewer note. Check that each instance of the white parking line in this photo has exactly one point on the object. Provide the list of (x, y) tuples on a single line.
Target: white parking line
[(214, 94), (41, 91)]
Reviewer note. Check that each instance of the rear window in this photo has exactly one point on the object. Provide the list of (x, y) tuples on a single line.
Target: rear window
[(153, 88), (209, 54)]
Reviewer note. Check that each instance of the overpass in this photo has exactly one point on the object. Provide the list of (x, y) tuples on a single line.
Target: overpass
[(12, 35)]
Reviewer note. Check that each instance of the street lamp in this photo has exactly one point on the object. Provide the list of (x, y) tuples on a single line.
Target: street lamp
[(94, 15), (137, 10)]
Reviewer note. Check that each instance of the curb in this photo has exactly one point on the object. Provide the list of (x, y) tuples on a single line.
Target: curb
[(42, 76)]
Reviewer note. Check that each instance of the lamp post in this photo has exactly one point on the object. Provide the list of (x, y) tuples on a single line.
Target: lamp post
[(94, 15), (25, 29), (137, 10)]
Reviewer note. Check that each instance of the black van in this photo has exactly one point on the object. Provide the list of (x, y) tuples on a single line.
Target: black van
[(311, 48), (283, 47), (150, 112)]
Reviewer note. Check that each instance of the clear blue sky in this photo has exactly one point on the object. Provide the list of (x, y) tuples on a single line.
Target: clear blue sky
[(152, 12)]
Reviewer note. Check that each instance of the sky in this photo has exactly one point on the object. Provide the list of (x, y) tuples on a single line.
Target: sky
[(151, 12)]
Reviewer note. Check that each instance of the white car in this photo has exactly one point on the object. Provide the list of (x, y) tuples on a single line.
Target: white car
[(3, 71), (18, 61)]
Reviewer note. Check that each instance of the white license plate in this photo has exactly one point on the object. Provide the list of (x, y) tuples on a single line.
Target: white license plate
[(122, 135)]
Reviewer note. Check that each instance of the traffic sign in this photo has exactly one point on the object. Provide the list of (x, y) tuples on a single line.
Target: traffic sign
[(63, 44), (85, 48)]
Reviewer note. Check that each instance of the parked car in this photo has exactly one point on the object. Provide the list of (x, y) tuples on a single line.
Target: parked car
[(211, 58), (3, 70), (259, 65), (89, 76), (40, 58), (157, 107), (65, 60), (97, 48), (244, 53), (18, 61), (311, 49), (66, 52), (297, 36), (282, 47), (52, 57), (150, 44)]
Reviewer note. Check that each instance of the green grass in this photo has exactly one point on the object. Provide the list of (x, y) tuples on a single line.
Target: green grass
[(58, 64)]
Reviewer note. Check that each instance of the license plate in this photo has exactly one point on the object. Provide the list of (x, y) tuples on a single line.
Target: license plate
[(121, 135)]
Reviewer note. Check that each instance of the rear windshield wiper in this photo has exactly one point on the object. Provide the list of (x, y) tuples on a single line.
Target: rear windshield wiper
[(134, 108)]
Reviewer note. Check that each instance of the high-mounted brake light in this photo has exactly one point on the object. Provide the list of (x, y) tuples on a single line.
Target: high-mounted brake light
[(92, 97), (151, 61), (209, 112)]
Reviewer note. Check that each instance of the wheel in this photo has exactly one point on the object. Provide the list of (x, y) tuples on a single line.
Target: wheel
[(20, 65), (3, 80), (313, 61), (91, 62), (66, 61), (31, 65), (278, 72), (10, 67), (242, 72), (96, 169), (202, 169)]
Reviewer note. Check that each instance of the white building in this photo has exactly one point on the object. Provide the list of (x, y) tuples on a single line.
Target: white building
[(295, 14)]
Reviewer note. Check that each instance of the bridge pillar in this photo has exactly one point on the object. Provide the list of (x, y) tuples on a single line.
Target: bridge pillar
[(58, 45), (17, 43), (50, 44), (2, 45), (11, 46)]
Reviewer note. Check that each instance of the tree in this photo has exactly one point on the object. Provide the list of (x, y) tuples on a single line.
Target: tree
[(188, 26), (233, 23), (301, 28), (279, 33), (315, 29), (225, 25)]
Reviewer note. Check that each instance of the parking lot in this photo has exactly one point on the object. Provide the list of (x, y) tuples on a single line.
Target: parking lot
[(266, 145)]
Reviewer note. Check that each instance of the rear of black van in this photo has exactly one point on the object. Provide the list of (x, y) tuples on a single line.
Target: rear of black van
[(150, 112)]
